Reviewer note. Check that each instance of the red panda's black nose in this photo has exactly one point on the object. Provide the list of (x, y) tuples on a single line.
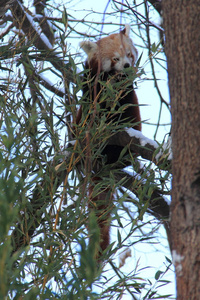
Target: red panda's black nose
[(126, 65)]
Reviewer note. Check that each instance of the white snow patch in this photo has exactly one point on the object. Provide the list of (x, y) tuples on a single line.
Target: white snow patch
[(72, 142), (45, 78), (146, 141), (169, 147), (176, 260), (134, 174), (167, 199), (37, 28), (143, 139)]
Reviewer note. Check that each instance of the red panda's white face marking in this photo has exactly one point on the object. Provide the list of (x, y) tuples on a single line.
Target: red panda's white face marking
[(117, 63), (114, 52)]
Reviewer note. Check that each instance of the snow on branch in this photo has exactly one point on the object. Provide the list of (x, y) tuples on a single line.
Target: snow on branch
[(39, 36), (148, 149)]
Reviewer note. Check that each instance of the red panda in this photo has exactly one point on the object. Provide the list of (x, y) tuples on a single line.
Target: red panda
[(107, 59)]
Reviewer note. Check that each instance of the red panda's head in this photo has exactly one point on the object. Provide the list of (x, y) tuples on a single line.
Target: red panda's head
[(114, 52)]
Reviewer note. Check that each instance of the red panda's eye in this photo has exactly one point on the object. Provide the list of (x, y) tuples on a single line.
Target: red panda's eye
[(129, 54), (116, 58)]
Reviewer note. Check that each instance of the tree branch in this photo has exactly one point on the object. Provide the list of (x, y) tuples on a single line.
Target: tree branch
[(157, 4), (158, 204), (143, 146), (25, 23), (137, 142)]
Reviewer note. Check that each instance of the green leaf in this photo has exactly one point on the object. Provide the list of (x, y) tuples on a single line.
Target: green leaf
[(158, 274)]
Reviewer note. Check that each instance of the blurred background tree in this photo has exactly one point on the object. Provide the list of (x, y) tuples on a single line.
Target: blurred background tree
[(183, 57)]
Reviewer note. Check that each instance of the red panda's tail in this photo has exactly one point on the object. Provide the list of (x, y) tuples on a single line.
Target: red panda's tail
[(100, 201)]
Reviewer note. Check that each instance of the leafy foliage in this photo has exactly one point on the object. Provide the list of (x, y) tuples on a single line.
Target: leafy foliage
[(44, 219)]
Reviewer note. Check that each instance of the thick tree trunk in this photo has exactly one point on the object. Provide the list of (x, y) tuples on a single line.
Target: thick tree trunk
[(182, 26)]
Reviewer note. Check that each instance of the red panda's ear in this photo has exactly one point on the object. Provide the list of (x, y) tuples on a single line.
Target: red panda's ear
[(126, 30), (89, 47)]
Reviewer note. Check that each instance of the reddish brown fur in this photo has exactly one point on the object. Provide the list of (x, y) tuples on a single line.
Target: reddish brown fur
[(106, 50), (101, 204)]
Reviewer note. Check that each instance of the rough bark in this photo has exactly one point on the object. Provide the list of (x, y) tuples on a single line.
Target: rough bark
[(182, 23)]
